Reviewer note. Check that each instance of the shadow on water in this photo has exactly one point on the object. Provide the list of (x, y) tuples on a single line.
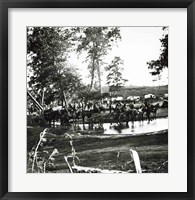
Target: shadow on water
[(133, 128)]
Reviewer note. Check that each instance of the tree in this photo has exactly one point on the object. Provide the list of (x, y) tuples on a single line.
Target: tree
[(157, 66), (70, 84), (97, 41), (115, 79), (47, 65)]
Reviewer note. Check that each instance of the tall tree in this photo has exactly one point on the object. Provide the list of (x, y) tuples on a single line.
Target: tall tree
[(97, 41), (115, 78), (47, 52), (157, 66)]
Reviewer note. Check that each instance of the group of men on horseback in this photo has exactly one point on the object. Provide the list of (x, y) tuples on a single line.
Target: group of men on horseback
[(73, 112), (93, 111), (131, 112)]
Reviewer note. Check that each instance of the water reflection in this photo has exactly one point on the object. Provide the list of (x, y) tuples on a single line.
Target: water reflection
[(135, 128)]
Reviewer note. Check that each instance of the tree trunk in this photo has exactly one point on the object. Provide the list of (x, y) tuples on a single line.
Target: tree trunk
[(65, 101), (92, 73), (99, 78), (92, 80)]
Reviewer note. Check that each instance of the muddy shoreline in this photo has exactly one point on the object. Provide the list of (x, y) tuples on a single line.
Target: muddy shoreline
[(107, 152)]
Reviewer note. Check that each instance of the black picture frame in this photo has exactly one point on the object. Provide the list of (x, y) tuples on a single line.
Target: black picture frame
[(6, 4)]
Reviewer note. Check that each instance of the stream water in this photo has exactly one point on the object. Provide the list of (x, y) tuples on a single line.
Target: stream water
[(136, 127)]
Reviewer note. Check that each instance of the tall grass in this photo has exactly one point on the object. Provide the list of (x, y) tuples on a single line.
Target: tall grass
[(73, 155), (36, 156), (42, 134), (41, 159)]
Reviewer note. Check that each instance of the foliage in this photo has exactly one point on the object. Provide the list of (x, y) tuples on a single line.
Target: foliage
[(115, 80), (47, 66), (49, 73), (97, 42), (156, 66)]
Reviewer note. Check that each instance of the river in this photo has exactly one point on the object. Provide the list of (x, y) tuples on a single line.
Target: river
[(137, 127)]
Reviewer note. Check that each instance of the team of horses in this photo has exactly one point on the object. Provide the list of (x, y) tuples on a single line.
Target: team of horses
[(128, 112), (93, 112)]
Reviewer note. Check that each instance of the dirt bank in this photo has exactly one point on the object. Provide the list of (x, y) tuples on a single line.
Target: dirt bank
[(107, 151)]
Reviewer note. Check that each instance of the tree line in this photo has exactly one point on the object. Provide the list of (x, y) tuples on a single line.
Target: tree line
[(49, 69)]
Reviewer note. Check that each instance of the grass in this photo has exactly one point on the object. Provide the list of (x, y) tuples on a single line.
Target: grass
[(39, 160), (101, 151), (66, 147)]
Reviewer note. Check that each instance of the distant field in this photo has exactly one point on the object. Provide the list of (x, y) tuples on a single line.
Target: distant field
[(141, 91)]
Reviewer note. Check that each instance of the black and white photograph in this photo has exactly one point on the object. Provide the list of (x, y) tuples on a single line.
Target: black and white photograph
[(97, 99)]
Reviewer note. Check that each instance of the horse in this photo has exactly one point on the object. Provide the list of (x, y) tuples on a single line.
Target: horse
[(128, 114), (51, 115), (154, 109), (65, 116), (148, 109), (115, 113), (123, 113), (87, 111), (141, 111)]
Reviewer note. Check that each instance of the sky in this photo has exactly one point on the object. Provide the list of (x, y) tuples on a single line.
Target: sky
[(138, 46)]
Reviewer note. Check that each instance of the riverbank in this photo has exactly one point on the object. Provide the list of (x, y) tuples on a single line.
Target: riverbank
[(110, 152)]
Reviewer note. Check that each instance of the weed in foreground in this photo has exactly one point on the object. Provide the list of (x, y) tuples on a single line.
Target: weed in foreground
[(73, 155), (38, 160)]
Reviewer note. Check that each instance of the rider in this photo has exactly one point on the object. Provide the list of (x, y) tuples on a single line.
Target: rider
[(123, 108), (147, 103)]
